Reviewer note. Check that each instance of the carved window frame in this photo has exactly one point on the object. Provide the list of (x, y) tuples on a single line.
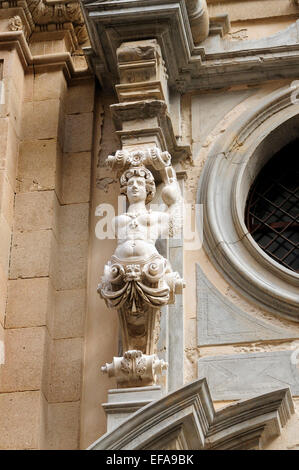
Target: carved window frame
[(233, 163)]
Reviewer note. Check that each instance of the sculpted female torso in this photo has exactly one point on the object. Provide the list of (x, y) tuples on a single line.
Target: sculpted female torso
[(138, 229), (137, 233)]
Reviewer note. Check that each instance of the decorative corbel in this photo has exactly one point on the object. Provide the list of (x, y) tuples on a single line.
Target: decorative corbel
[(138, 280)]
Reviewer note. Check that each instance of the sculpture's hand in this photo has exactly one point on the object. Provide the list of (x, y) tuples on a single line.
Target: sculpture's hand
[(171, 193)]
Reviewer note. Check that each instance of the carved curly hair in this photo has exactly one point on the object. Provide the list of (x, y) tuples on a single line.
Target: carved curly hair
[(143, 173)]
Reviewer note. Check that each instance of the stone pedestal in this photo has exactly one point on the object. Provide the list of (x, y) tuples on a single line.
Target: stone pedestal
[(123, 402)]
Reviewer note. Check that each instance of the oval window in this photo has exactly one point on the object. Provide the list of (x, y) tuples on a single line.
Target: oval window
[(272, 209)]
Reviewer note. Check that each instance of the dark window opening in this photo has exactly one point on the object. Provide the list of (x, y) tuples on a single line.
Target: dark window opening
[(272, 209)]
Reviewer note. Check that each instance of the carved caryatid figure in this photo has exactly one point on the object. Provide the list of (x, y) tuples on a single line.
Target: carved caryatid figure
[(138, 280)]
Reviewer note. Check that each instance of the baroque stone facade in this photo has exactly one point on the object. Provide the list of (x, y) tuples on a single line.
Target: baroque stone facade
[(177, 105)]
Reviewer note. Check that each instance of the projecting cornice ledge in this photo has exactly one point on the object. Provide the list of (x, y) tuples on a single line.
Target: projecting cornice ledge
[(40, 16), (187, 420), (43, 63), (110, 23), (193, 60)]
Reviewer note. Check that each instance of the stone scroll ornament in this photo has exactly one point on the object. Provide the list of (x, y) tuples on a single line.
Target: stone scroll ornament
[(138, 280)]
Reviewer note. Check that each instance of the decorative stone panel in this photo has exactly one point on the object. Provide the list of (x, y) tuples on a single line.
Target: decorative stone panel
[(219, 321), (235, 377)]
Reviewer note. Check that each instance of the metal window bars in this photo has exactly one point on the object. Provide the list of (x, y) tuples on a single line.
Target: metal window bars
[(272, 209)]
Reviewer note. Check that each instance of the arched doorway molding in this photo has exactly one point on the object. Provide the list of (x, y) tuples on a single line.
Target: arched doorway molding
[(233, 163)]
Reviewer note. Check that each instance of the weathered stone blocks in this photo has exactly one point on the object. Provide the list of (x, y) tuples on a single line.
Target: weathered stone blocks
[(23, 365), (63, 371), (38, 165), (63, 426), (80, 99), (78, 132), (69, 313), (29, 302), (40, 119), (5, 239), (20, 420), (48, 86), (76, 177), (6, 198), (32, 254), (36, 210)]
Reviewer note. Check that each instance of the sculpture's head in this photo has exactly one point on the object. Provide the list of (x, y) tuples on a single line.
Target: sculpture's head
[(138, 184)]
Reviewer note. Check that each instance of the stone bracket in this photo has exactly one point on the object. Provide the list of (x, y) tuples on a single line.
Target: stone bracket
[(161, 129)]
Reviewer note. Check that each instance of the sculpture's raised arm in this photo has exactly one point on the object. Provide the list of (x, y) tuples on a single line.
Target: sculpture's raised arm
[(171, 193)]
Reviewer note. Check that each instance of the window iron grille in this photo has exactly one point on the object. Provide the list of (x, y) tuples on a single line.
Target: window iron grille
[(272, 209)]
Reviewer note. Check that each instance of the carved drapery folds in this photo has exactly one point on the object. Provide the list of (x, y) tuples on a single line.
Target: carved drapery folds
[(138, 280)]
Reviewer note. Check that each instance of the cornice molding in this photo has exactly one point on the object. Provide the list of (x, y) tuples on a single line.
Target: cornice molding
[(250, 423), (111, 23), (215, 63), (63, 60), (46, 15), (188, 417)]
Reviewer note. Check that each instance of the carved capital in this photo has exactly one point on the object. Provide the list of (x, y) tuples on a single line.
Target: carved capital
[(152, 157)]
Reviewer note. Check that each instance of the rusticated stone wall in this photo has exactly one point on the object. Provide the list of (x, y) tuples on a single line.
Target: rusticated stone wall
[(46, 130)]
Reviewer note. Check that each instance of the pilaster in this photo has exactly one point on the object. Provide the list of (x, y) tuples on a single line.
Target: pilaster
[(47, 100), (122, 402)]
